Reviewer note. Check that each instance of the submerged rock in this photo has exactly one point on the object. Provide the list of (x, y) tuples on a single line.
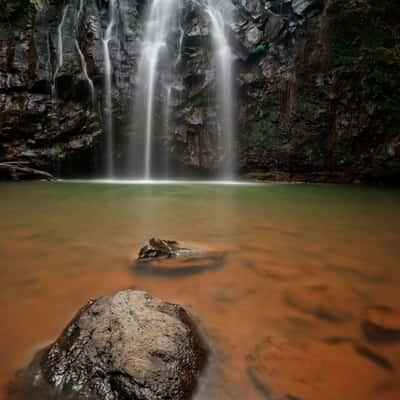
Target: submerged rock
[(381, 325), (168, 258), (282, 369), (126, 346), (327, 303)]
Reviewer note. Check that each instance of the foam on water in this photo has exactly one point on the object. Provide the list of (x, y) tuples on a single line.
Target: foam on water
[(159, 182)]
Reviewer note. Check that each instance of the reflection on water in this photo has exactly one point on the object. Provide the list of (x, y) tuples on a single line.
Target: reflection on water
[(294, 308)]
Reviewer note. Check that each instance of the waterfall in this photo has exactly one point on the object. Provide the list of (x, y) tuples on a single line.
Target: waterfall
[(158, 80), (180, 45), (217, 11), (167, 109), (81, 55), (153, 64), (172, 84), (85, 72), (109, 139), (60, 49)]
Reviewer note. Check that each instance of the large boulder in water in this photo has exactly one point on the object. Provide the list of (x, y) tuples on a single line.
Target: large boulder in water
[(126, 346)]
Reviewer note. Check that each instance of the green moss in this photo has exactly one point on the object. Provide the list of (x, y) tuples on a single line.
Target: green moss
[(312, 154), (258, 129), (264, 124), (16, 12), (366, 54), (260, 111), (345, 53), (61, 156), (343, 152), (309, 154), (261, 128), (367, 36), (194, 103), (261, 47)]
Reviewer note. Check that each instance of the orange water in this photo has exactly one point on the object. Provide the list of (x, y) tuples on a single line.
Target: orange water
[(290, 249)]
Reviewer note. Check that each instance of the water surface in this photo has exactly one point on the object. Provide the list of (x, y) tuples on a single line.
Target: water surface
[(284, 314)]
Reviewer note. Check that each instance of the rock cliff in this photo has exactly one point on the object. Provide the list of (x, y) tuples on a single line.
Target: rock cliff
[(316, 87)]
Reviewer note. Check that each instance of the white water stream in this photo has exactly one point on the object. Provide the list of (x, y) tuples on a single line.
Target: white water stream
[(81, 55), (218, 12), (109, 139), (154, 60), (60, 50)]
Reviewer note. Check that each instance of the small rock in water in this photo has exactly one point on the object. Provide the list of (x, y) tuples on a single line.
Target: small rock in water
[(381, 325), (168, 258), (158, 249), (126, 346)]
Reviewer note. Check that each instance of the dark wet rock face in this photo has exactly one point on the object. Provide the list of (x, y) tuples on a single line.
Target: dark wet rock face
[(60, 133), (48, 116), (304, 111), (127, 346), (304, 115)]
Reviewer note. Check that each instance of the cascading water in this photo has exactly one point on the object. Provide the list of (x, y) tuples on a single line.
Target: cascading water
[(109, 139), (172, 85), (60, 49), (167, 109), (180, 45), (85, 72), (219, 11), (153, 65), (158, 81), (81, 55)]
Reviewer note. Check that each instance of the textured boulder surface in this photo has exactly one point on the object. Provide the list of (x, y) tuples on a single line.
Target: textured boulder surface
[(127, 346), (309, 103)]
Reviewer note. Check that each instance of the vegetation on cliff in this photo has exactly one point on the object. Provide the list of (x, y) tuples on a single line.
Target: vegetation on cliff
[(16, 11), (368, 43), (366, 57)]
